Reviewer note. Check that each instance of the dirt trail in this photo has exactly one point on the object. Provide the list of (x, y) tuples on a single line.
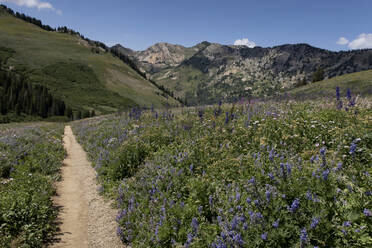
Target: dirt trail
[(86, 219)]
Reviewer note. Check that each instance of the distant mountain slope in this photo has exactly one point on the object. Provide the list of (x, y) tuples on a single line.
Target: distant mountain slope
[(359, 83), (81, 74), (208, 72)]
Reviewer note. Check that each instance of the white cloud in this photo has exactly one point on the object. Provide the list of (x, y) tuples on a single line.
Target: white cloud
[(361, 42), (342, 41), (245, 42), (40, 5)]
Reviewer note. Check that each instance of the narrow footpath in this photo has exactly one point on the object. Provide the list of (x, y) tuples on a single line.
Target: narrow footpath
[(86, 220)]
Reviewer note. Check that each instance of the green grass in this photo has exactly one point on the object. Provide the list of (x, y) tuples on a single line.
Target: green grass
[(112, 84), (360, 83)]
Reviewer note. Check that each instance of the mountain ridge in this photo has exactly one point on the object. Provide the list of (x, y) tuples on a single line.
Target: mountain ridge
[(209, 72)]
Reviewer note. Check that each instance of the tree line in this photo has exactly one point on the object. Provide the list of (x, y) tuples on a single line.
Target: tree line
[(27, 18), (167, 92), (18, 95)]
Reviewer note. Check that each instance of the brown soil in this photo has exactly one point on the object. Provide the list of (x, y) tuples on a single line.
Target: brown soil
[(86, 219)]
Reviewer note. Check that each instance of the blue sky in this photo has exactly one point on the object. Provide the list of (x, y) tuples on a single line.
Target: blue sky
[(138, 24)]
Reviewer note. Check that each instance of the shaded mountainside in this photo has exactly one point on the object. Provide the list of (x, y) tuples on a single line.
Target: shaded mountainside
[(82, 73), (209, 72)]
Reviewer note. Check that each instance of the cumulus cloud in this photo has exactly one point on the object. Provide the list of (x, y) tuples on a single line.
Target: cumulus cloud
[(361, 42), (40, 5), (244, 42), (342, 41)]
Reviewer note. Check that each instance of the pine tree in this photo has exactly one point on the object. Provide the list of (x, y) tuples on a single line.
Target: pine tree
[(318, 75), (18, 109), (69, 113), (86, 114), (78, 115)]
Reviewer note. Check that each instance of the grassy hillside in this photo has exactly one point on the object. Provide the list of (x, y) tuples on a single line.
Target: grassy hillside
[(68, 66), (359, 83)]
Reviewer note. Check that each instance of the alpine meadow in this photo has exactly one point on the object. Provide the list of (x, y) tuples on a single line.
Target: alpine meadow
[(213, 145)]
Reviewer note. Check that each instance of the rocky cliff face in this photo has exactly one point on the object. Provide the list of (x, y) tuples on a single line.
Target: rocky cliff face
[(209, 72)]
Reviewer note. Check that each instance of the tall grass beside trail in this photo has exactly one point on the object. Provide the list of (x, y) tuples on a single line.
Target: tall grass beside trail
[(30, 159), (293, 174)]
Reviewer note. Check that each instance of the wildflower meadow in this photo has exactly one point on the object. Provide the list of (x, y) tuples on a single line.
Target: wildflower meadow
[(250, 174), (30, 158)]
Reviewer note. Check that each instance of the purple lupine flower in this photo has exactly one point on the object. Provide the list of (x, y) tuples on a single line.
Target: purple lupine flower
[(348, 94), (314, 222), (271, 176), (119, 231), (350, 99), (210, 200), (189, 239), (249, 200), (352, 148), (237, 196), (264, 236), (295, 205), (238, 239), (338, 93), (325, 174), (194, 225), (309, 195), (367, 212), (219, 219), (252, 180), (323, 151), (289, 169), (242, 219), (259, 215), (276, 224), (257, 202), (268, 195), (347, 224), (312, 159), (234, 223), (303, 236), (191, 167), (157, 233), (227, 118), (271, 155)]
